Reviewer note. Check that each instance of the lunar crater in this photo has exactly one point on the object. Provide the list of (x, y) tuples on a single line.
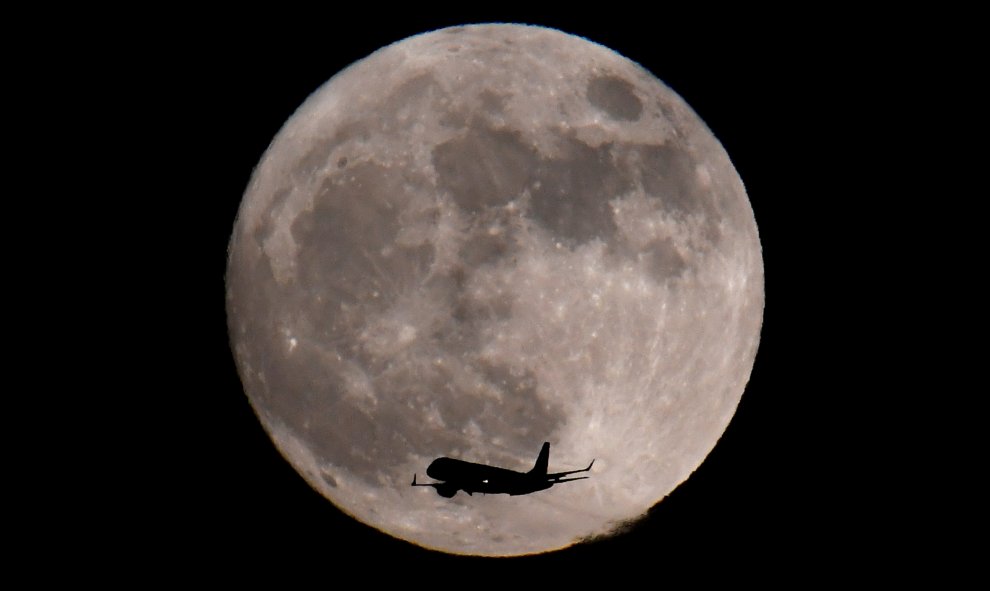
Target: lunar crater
[(614, 96)]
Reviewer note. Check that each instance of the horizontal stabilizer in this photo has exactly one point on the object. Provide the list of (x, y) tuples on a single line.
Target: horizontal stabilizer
[(556, 476), (570, 479)]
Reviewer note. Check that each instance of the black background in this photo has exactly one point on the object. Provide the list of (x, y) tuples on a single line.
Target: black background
[(779, 491)]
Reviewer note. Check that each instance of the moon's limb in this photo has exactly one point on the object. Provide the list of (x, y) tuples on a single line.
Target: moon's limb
[(479, 239)]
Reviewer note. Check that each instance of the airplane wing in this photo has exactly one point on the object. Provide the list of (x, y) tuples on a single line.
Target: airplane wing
[(558, 476)]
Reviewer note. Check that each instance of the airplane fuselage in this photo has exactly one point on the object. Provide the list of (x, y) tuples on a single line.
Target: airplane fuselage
[(472, 478)]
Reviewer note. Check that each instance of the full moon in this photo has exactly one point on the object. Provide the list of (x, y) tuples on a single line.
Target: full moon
[(479, 239)]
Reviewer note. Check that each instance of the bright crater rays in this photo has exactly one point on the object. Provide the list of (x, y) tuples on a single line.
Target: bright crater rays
[(480, 239)]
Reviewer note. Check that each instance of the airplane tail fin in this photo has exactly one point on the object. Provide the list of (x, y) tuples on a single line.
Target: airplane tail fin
[(540, 469)]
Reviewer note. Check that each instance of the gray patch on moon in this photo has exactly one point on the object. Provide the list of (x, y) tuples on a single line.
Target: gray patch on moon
[(668, 173), (493, 102), (615, 97), (573, 191), (483, 247), (484, 167), (661, 260)]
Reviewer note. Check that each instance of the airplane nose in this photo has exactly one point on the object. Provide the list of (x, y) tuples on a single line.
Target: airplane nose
[(433, 470)]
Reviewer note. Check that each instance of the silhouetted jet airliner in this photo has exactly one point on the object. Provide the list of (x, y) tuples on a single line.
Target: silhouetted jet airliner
[(471, 478)]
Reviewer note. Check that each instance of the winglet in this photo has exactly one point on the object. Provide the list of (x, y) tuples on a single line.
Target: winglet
[(586, 469), (414, 480)]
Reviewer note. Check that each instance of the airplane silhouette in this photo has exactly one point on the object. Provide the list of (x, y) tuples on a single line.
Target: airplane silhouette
[(472, 478)]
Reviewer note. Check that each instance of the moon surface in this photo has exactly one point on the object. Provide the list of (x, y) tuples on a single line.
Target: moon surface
[(479, 239)]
